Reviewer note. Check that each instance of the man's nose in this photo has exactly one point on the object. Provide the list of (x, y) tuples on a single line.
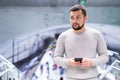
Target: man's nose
[(75, 20)]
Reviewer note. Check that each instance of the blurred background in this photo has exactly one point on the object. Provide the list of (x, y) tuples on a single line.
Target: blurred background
[(27, 16), (29, 29)]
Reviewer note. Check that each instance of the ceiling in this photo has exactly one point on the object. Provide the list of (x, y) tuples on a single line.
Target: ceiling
[(57, 2)]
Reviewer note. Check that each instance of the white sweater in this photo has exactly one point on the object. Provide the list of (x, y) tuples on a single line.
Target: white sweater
[(86, 44)]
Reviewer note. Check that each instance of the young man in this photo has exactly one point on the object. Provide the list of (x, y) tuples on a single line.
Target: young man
[(80, 42)]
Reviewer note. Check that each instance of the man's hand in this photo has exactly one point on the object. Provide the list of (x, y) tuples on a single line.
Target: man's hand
[(86, 63), (73, 63)]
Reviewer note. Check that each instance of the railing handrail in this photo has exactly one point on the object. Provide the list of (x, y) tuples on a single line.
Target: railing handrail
[(7, 67), (112, 66), (2, 73)]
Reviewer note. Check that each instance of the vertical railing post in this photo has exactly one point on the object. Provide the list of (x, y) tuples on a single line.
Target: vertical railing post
[(13, 45)]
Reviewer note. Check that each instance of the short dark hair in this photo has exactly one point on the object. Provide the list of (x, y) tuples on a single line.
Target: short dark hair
[(79, 7)]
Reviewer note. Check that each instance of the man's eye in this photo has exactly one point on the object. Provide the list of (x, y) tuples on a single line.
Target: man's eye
[(78, 17), (72, 18)]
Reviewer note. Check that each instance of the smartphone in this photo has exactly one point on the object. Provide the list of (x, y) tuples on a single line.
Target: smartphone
[(78, 59)]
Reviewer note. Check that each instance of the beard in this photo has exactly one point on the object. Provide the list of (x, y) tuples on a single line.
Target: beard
[(78, 27)]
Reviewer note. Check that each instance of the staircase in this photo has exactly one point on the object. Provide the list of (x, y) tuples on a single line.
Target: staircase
[(8, 71)]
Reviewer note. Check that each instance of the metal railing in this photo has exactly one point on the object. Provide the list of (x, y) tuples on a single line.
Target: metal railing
[(8, 71), (111, 70), (27, 44), (114, 69)]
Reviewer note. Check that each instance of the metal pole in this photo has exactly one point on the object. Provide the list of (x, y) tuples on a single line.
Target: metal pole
[(13, 45)]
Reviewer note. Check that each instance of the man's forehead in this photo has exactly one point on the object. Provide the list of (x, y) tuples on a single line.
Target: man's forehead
[(76, 12)]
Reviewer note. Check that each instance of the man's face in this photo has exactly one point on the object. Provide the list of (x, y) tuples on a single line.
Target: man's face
[(77, 19)]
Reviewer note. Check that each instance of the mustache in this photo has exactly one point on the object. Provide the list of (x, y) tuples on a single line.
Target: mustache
[(75, 23), (79, 27)]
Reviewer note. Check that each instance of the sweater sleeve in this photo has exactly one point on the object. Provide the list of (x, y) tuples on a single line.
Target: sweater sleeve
[(103, 56), (59, 52)]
